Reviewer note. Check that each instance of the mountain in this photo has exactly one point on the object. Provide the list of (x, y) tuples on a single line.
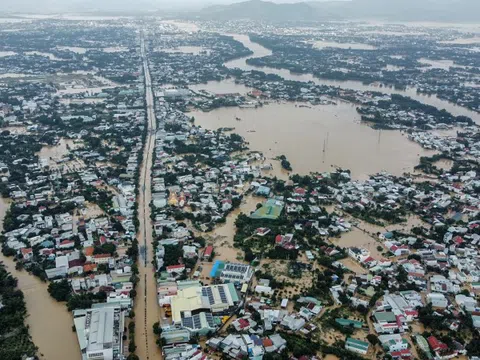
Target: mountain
[(260, 10), (404, 10), (391, 10)]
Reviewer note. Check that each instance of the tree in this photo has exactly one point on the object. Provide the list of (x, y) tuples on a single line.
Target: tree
[(372, 339), (157, 330), (402, 275), (82, 301), (59, 290), (131, 346), (133, 357)]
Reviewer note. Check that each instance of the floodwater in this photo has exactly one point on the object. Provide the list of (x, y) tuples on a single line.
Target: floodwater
[(260, 51), (49, 321), (7, 53), (45, 54), (353, 46), (75, 49), (222, 87), (56, 152), (463, 41), (318, 138), (195, 50), (12, 75), (184, 26), (115, 49), (439, 64)]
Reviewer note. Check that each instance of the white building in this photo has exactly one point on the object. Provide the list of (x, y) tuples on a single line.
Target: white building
[(99, 332), (437, 300)]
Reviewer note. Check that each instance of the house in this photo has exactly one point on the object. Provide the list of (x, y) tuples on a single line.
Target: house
[(349, 323), (436, 345), (175, 269), (357, 346), (466, 302), (358, 253), (393, 342), (262, 231), (207, 254), (27, 254), (102, 259), (437, 300), (386, 322), (189, 252)]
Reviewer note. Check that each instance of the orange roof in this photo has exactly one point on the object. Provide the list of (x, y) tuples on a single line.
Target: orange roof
[(88, 251), (89, 267), (26, 251), (101, 256), (267, 342)]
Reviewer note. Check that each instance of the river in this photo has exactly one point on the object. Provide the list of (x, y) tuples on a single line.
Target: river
[(49, 321), (260, 51)]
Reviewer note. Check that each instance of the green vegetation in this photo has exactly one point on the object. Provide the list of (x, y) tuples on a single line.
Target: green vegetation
[(15, 340), (284, 162)]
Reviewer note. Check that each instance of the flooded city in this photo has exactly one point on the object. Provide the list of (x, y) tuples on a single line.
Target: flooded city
[(260, 51), (186, 204)]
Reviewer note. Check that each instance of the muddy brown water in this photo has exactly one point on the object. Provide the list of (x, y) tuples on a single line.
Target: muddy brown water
[(318, 138), (49, 321)]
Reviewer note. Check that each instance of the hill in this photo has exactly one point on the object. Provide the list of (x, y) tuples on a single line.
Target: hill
[(260, 10), (391, 10)]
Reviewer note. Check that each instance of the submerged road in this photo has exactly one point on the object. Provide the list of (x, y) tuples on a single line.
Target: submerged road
[(147, 311)]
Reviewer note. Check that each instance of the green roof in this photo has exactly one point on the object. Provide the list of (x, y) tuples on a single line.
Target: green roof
[(233, 292), (348, 322), (423, 345), (385, 316), (269, 210), (184, 284), (358, 344)]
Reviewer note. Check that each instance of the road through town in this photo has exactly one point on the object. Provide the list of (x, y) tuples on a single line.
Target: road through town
[(147, 311)]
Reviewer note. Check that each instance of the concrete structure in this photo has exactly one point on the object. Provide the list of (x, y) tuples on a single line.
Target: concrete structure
[(437, 300), (99, 332), (215, 298)]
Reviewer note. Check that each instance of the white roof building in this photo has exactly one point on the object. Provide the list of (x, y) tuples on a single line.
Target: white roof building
[(99, 332)]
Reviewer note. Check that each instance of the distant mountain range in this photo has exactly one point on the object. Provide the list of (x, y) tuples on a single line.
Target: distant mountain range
[(307, 10), (261, 10), (393, 10)]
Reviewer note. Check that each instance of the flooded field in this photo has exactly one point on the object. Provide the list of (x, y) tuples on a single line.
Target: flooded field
[(439, 64), (331, 44), (58, 151), (222, 87), (195, 50), (463, 41), (7, 53), (45, 54), (318, 138), (49, 321), (115, 49), (75, 49)]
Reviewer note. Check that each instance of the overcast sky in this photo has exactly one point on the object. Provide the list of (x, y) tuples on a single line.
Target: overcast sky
[(44, 6), (92, 5)]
